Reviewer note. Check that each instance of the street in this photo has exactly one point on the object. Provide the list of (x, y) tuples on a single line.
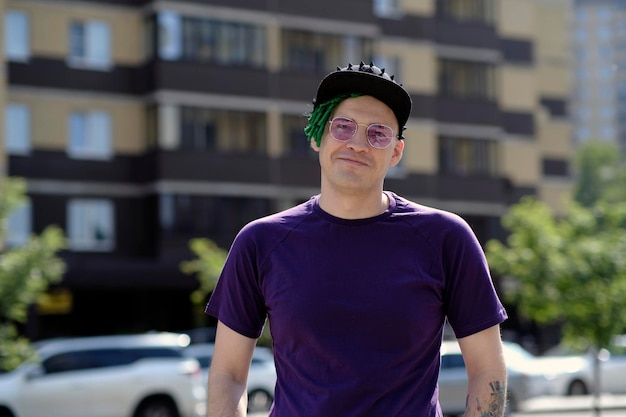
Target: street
[(582, 406)]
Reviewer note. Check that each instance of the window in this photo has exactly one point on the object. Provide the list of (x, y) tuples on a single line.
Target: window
[(90, 44), (391, 64), (215, 41), (603, 14), (89, 135), (16, 36), (17, 129), (582, 134), (466, 79), (19, 226), (91, 224), (469, 10), (386, 8), (583, 114), (607, 133), (318, 53), (296, 142), (217, 217), (604, 33), (462, 156), (170, 38), (230, 131)]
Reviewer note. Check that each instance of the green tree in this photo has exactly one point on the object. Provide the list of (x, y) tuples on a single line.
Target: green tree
[(569, 270), (207, 266), (25, 273), (601, 174)]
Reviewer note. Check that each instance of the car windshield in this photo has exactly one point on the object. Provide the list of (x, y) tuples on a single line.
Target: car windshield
[(514, 352)]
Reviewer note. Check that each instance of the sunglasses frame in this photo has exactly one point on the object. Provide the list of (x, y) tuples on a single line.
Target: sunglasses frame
[(330, 129)]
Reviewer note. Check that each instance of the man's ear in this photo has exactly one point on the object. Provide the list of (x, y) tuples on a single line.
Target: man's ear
[(398, 150), (314, 145)]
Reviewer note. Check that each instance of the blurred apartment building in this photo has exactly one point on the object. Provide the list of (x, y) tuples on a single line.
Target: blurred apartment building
[(142, 124), (599, 93)]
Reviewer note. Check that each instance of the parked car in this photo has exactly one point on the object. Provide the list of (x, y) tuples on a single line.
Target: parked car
[(525, 380), (144, 375), (261, 377), (574, 369)]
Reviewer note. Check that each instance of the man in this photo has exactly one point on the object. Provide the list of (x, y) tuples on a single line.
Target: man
[(357, 282)]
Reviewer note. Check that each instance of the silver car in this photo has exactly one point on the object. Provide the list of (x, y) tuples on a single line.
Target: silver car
[(525, 380), (143, 375), (261, 377)]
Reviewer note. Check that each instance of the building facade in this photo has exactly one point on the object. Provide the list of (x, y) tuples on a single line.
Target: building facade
[(140, 125), (599, 94)]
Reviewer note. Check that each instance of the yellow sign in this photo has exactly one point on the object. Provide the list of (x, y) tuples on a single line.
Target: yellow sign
[(58, 301)]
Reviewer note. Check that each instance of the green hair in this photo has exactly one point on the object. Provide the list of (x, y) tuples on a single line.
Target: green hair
[(320, 115)]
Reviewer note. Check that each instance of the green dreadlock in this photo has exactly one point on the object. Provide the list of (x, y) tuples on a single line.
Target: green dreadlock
[(320, 115)]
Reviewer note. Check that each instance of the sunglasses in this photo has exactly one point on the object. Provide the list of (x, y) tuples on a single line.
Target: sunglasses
[(379, 136)]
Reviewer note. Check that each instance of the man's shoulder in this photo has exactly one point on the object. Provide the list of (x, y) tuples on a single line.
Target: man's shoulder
[(282, 220), (420, 212)]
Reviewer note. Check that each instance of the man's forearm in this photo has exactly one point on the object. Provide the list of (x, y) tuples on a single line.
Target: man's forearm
[(486, 397), (226, 397)]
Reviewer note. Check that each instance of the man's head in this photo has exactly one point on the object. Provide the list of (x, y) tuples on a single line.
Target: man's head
[(353, 81)]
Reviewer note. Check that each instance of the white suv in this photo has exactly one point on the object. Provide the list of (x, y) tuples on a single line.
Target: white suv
[(142, 375)]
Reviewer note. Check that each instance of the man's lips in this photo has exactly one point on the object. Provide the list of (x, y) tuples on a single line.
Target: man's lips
[(352, 160)]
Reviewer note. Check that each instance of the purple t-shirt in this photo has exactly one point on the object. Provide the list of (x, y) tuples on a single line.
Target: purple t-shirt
[(356, 307)]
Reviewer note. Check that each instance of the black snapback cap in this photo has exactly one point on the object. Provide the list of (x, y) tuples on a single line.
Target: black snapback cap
[(367, 80)]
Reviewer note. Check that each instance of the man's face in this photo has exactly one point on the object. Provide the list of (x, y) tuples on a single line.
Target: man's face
[(354, 165)]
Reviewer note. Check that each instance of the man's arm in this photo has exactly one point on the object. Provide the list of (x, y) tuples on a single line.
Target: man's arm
[(486, 371), (228, 373)]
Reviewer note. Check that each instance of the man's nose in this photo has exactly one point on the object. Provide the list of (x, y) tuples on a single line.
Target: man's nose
[(359, 140)]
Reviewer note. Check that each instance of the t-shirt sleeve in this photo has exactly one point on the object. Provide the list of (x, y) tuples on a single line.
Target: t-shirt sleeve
[(471, 301), (237, 300)]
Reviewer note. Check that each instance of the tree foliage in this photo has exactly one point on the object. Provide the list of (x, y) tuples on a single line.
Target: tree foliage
[(601, 174), (207, 266), (25, 274), (568, 270), (571, 269)]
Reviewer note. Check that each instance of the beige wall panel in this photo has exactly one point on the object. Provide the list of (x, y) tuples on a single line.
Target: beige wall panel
[(274, 133), (50, 117), (553, 34), (554, 80), (420, 149), (555, 194), (418, 65), (274, 46), (518, 88), (129, 130), (520, 161), (554, 139), (418, 7), (50, 29), (517, 18)]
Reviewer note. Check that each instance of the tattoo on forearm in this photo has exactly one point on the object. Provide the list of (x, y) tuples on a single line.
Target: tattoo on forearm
[(495, 404)]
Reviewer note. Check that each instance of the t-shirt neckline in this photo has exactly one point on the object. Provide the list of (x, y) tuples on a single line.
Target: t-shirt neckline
[(355, 222)]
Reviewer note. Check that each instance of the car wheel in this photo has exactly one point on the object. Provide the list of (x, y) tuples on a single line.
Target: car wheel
[(259, 400), (5, 412), (157, 408), (511, 405), (577, 387)]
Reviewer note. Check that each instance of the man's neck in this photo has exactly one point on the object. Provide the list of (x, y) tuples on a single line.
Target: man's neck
[(354, 205)]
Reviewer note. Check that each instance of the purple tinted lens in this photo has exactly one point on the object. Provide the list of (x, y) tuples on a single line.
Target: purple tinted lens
[(379, 136), (342, 129)]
